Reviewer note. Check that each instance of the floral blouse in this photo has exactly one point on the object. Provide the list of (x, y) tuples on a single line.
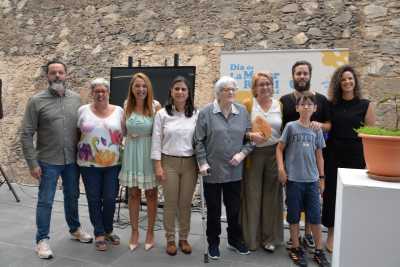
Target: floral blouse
[(100, 142)]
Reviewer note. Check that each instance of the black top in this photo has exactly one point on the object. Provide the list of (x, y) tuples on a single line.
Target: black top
[(289, 112), (346, 116)]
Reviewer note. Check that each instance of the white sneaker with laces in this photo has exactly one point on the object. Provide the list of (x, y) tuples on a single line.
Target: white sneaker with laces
[(43, 249), (81, 236)]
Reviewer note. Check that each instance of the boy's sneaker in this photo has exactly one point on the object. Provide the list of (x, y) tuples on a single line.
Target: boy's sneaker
[(239, 247), (308, 241), (81, 236), (213, 252), (298, 257), (289, 243), (43, 249), (320, 258)]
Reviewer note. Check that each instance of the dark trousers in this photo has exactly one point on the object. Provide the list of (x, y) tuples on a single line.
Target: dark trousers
[(101, 185), (231, 198)]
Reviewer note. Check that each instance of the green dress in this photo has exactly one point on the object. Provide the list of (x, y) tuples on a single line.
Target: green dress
[(137, 166)]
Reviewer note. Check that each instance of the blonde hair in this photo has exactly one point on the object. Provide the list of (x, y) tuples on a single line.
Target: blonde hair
[(257, 76), (130, 102)]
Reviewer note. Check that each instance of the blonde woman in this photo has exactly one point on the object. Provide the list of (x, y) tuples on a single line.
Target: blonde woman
[(137, 167), (262, 203)]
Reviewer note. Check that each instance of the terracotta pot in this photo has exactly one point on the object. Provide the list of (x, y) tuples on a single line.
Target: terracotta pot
[(382, 156)]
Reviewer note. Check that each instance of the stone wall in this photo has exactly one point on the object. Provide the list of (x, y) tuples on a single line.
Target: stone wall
[(92, 36)]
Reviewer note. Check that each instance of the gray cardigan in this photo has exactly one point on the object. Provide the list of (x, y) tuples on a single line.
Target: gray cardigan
[(217, 139)]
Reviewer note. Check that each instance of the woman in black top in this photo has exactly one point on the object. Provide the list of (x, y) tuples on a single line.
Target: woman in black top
[(344, 148)]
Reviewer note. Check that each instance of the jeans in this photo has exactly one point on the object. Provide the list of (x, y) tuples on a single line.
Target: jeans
[(231, 198), (101, 185), (47, 188), (303, 196)]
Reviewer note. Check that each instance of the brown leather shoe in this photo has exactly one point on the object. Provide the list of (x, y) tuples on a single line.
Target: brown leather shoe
[(185, 246), (171, 248)]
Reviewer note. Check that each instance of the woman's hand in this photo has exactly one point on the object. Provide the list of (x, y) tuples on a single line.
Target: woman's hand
[(159, 171), (237, 158), (282, 176), (315, 125), (257, 138), (204, 169)]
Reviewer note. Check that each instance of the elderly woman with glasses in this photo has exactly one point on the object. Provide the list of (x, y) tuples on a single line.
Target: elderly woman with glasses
[(101, 127), (221, 145)]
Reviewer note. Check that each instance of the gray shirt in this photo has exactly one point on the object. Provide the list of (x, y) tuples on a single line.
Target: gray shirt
[(53, 118), (217, 139), (301, 144)]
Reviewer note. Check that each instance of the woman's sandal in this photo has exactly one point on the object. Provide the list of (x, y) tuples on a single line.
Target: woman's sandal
[(330, 251), (100, 245), (114, 239)]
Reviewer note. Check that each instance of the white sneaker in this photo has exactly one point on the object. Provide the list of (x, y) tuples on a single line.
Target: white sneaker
[(43, 249), (82, 236)]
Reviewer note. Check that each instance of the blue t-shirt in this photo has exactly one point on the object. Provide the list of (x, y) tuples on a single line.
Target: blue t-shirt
[(301, 144)]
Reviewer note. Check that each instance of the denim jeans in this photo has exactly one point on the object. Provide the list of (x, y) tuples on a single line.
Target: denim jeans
[(101, 185), (47, 188)]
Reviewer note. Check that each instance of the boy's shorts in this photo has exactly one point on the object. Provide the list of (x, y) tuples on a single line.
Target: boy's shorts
[(303, 197)]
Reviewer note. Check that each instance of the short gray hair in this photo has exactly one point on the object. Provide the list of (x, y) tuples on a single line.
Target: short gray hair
[(223, 82), (100, 81)]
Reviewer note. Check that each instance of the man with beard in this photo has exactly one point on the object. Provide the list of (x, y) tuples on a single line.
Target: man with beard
[(52, 115), (301, 74)]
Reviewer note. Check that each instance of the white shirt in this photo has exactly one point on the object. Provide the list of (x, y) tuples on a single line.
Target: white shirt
[(173, 135), (274, 118)]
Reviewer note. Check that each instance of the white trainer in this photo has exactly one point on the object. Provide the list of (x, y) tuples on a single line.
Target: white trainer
[(43, 249), (82, 236)]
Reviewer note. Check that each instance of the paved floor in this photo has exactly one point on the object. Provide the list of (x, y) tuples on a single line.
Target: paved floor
[(17, 231)]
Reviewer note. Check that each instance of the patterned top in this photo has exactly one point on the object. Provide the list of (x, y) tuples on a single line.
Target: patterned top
[(101, 138)]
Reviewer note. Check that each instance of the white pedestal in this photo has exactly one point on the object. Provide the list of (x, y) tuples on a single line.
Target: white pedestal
[(367, 221)]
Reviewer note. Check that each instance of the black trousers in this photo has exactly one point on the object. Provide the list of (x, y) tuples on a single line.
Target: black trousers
[(231, 198)]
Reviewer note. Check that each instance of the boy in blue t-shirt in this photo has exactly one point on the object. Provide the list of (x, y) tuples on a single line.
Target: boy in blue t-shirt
[(302, 172)]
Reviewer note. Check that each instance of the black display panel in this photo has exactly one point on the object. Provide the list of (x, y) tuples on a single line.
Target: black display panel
[(160, 77)]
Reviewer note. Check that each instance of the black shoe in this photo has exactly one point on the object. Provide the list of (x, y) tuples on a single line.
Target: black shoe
[(308, 241), (320, 258), (239, 247), (289, 243), (298, 257), (213, 252)]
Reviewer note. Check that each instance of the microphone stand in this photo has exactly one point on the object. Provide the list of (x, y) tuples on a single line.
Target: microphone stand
[(2, 172)]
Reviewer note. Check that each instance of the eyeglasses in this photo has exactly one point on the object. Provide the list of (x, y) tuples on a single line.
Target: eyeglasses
[(98, 92), (228, 89)]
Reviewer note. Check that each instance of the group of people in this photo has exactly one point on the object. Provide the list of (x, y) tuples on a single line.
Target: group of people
[(245, 153)]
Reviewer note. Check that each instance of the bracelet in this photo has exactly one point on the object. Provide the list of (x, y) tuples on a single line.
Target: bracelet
[(322, 177)]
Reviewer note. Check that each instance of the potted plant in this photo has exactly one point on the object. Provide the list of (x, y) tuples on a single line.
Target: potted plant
[(382, 146)]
